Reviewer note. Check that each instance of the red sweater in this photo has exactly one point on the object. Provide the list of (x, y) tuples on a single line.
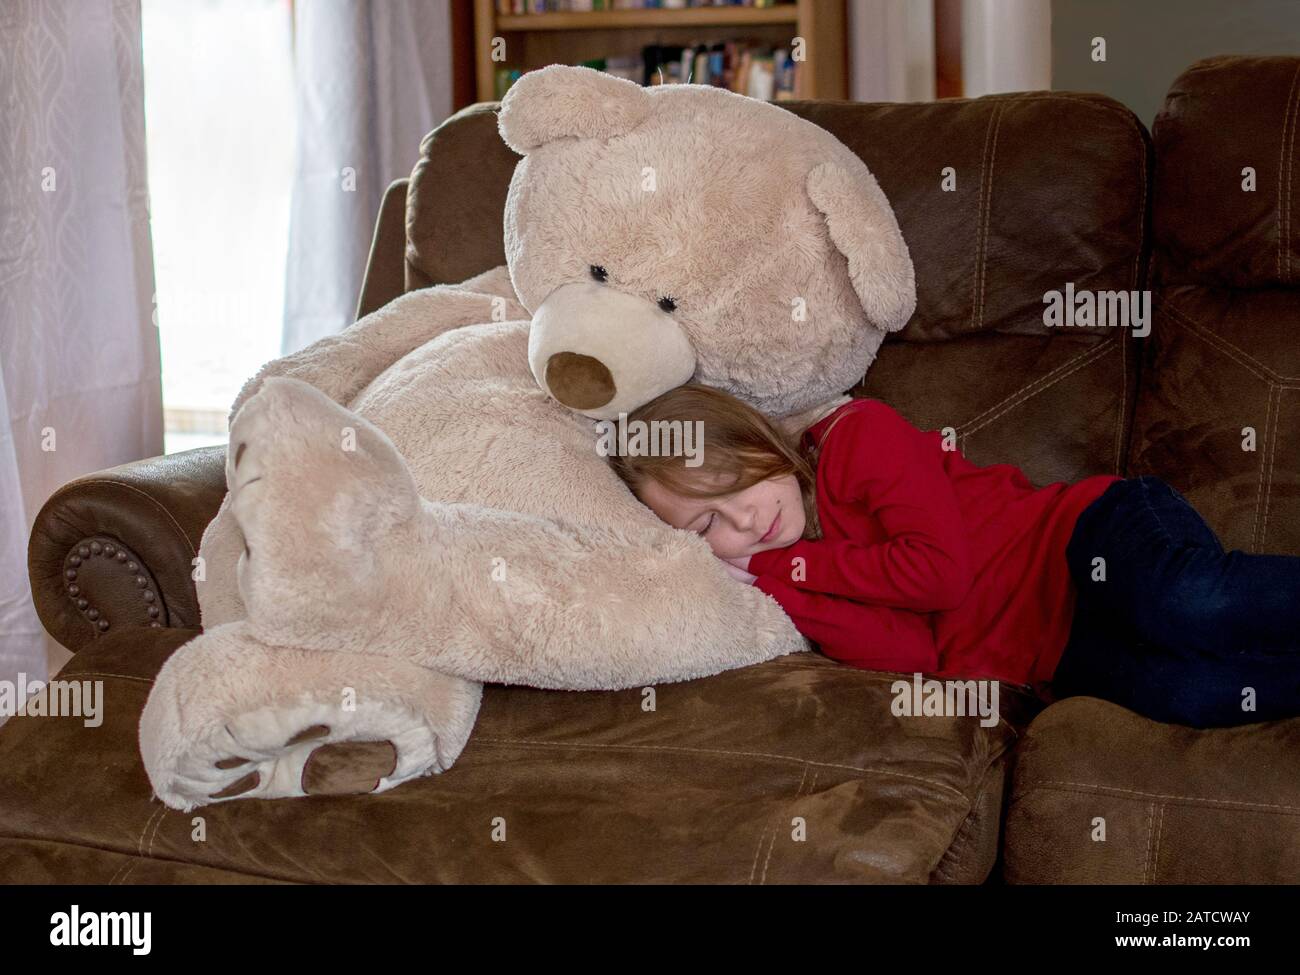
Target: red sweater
[(928, 562)]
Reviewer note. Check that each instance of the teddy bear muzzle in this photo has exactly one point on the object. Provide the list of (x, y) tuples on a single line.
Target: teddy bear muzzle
[(600, 351)]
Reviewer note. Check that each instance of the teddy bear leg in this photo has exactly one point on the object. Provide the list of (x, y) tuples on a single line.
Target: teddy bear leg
[(319, 495), (230, 717)]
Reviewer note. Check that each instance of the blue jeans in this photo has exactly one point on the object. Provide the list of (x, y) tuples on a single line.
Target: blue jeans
[(1178, 630)]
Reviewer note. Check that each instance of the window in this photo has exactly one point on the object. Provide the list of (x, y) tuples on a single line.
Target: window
[(219, 116)]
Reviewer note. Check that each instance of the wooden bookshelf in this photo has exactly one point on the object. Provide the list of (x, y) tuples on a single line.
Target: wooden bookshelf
[(536, 40)]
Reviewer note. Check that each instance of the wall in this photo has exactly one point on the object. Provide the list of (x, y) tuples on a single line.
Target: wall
[(891, 50), (1149, 44), (1005, 46)]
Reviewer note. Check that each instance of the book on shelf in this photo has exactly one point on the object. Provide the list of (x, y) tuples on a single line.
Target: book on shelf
[(747, 68), (514, 8)]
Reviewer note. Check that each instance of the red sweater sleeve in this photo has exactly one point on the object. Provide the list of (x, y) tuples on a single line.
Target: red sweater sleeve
[(869, 637), (885, 463)]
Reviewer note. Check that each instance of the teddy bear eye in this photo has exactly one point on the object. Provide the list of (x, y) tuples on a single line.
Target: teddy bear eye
[(599, 273), (667, 303)]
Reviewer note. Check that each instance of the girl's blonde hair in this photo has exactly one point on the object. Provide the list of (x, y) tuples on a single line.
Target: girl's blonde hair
[(740, 448)]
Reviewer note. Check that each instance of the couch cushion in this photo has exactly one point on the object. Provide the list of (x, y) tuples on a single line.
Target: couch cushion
[(1177, 805), (1223, 361), (1050, 187), (710, 786), (1221, 115)]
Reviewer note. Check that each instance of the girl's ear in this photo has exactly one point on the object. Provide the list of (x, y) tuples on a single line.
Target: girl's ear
[(564, 100)]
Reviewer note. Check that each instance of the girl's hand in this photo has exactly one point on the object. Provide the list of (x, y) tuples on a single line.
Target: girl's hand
[(736, 572)]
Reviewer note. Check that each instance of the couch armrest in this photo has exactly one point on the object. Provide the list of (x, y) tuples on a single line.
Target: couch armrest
[(386, 267), (114, 549)]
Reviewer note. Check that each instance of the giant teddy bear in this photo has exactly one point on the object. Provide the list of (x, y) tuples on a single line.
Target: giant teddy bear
[(417, 504)]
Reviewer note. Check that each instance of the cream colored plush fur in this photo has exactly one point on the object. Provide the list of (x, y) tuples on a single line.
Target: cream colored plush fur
[(412, 510)]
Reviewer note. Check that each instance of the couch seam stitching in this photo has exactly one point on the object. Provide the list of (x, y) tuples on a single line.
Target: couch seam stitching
[(963, 831), (1093, 788), (1268, 497), (988, 214), (1061, 372), (1142, 200), (1134, 127), (723, 752), (1118, 111), (154, 835), (803, 778), (979, 223), (1230, 351), (1283, 177), (1141, 156), (763, 835), (184, 863), (1050, 378), (1155, 854), (121, 872), (1146, 849), (1271, 417)]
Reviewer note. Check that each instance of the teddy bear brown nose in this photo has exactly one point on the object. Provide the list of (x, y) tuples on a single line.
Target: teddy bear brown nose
[(580, 382)]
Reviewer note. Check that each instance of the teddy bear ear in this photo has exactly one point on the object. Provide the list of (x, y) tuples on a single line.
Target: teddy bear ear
[(566, 100), (862, 225)]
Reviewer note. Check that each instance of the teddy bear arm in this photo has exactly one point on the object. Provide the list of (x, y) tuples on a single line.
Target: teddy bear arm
[(343, 364)]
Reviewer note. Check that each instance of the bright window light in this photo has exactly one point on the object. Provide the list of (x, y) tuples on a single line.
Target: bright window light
[(219, 114)]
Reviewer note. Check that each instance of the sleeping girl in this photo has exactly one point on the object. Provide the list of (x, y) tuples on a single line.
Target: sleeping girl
[(891, 551)]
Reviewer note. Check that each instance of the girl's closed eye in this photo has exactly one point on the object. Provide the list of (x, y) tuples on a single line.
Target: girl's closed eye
[(748, 488)]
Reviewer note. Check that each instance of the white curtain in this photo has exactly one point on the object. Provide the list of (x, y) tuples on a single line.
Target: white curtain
[(1006, 45), (79, 363), (372, 80), (891, 50)]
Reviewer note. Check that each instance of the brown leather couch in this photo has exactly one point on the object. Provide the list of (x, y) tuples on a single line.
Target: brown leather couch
[(796, 771)]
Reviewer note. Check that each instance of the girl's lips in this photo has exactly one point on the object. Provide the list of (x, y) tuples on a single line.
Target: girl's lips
[(776, 522)]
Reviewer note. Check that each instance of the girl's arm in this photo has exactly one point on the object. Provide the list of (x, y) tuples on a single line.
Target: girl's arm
[(865, 636), (887, 464)]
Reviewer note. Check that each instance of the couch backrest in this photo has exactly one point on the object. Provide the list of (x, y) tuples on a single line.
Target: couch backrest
[(1218, 415), (455, 204), (1228, 123), (1001, 199)]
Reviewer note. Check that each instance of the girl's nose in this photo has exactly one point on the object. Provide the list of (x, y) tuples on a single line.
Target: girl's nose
[(745, 520)]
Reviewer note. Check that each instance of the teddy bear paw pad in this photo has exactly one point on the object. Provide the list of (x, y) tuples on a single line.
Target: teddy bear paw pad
[(337, 769), (348, 768)]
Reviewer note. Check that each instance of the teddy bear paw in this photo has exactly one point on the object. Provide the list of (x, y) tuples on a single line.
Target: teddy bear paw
[(231, 717), (341, 755)]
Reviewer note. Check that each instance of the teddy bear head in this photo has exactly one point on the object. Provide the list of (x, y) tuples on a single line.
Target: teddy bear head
[(688, 233)]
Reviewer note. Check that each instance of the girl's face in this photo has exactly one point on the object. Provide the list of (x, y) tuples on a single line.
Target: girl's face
[(765, 515)]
